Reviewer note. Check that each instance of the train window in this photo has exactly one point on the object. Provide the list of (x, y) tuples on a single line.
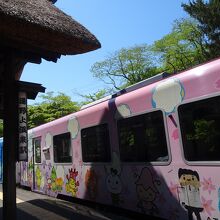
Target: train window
[(200, 129), (96, 144), (37, 149), (142, 138), (62, 150)]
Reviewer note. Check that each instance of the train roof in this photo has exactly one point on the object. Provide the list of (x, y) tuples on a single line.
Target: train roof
[(131, 88)]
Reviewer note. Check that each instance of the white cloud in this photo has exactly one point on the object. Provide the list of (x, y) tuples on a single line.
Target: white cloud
[(73, 127), (167, 95)]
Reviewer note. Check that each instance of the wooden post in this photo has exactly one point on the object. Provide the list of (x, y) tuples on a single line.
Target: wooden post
[(10, 131)]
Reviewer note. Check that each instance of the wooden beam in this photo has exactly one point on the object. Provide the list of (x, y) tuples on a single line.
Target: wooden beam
[(33, 55), (10, 131)]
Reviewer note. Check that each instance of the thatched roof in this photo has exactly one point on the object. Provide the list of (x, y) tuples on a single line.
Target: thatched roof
[(38, 26)]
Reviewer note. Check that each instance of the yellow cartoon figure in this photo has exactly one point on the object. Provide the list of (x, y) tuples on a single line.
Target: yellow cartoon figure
[(59, 183), (38, 177), (72, 184)]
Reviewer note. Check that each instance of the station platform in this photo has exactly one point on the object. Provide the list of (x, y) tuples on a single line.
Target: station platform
[(34, 206)]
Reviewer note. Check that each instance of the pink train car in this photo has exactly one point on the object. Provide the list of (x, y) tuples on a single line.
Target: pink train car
[(152, 148)]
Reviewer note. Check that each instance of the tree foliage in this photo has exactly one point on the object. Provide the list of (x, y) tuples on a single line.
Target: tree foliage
[(92, 97), (207, 13), (51, 108), (125, 67), (182, 48)]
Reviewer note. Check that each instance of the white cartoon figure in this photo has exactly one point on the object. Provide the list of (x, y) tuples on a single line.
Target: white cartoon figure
[(73, 127), (167, 95), (113, 181)]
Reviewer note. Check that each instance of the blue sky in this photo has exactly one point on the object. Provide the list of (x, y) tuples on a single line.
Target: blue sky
[(116, 24)]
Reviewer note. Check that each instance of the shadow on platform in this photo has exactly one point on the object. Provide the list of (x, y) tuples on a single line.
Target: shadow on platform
[(48, 210)]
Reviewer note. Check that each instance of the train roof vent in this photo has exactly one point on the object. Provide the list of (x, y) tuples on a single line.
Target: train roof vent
[(96, 102), (143, 83)]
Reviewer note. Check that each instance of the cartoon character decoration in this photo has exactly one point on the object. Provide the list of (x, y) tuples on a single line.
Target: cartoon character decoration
[(24, 173), (48, 145), (113, 181), (30, 171), (38, 177), (91, 182), (60, 177), (59, 184), (123, 110), (73, 127), (72, 184), (53, 179), (189, 192), (167, 95), (49, 183), (147, 192), (48, 140)]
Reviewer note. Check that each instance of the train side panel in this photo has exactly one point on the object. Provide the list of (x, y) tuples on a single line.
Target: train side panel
[(174, 179)]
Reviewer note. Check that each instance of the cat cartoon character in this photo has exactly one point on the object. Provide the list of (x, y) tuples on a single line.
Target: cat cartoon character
[(113, 180), (146, 192)]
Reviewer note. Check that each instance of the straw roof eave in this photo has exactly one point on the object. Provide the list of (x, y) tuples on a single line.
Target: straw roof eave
[(37, 25)]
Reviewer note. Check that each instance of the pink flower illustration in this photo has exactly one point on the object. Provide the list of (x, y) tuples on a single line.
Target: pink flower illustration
[(207, 205), (207, 185), (175, 134), (217, 83)]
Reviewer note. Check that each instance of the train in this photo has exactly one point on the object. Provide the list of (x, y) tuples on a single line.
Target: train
[(152, 148)]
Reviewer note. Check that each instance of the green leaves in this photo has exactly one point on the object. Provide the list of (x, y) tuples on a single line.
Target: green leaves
[(51, 108), (207, 14), (126, 67), (182, 48)]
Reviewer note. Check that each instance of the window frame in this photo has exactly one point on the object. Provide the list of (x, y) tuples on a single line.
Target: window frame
[(71, 148), (34, 148), (110, 145), (154, 163), (189, 101)]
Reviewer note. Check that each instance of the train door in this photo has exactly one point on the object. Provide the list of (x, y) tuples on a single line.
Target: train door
[(37, 175)]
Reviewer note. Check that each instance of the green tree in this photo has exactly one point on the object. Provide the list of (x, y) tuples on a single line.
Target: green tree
[(182, 48), (126, 67), (51, 108), (207, 13), (92, 97)]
